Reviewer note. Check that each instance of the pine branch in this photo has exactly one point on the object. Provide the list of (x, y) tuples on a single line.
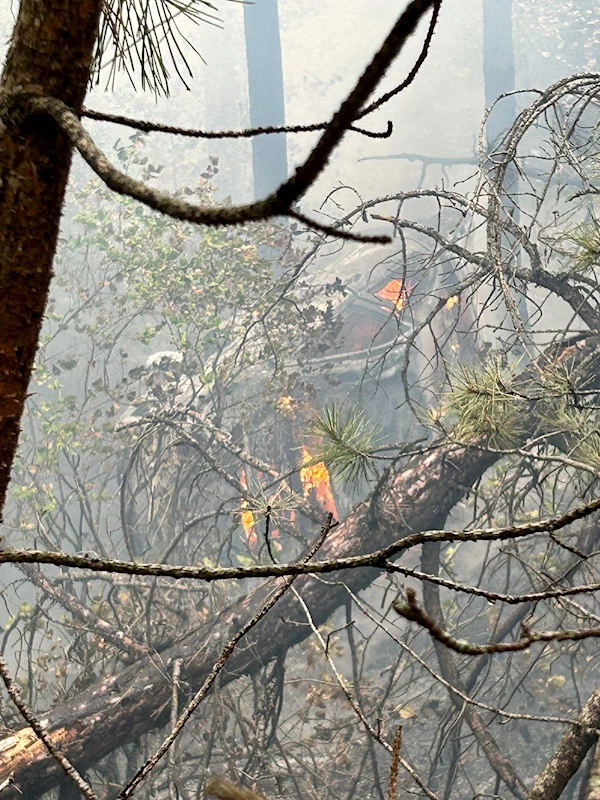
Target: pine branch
[(349, 443), (145, 38)]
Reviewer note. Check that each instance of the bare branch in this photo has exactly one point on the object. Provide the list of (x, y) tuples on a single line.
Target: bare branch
[(282, 201), (196, 133), (378, 558), (413, 612)]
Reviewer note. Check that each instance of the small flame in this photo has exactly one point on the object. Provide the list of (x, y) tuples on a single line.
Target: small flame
[(396, 291), (451, 302), (315, 478), (247, 516)]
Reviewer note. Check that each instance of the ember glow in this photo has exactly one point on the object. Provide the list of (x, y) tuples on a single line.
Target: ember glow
[(247, 516), (317, 483), (395, 291)]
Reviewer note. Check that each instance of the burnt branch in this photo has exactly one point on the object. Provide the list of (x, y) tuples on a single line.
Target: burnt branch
[(39, 729)]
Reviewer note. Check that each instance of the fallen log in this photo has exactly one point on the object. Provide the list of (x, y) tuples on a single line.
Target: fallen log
[(417, 496)]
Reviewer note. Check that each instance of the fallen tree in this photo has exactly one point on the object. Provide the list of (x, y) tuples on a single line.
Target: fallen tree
[(416, 496)]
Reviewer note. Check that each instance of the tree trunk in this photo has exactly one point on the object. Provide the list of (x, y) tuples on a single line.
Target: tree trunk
[(121, 708), (50, 54), (498, 67), (266, 95)]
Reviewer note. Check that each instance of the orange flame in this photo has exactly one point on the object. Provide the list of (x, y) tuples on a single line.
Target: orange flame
[(315, 478), (247, 516), (396, 291)]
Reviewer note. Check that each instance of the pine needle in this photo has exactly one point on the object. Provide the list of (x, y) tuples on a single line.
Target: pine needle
[(145, 40), (587, 238), (348, 443), (484, 403)]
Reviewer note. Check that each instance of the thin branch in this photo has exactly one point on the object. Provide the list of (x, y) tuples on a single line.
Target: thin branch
[(493, 597), (173, 794), (395, 763), (413, 612), (247, 133), (378, 558), (414, 71)]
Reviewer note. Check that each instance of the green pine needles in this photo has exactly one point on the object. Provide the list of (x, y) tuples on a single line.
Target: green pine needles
[(485, 403), (149, 40), (348, 443), (587, 239)]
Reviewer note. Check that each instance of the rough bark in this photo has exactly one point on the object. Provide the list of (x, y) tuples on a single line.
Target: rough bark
[(50, 54), (119, 709), (569, 754)]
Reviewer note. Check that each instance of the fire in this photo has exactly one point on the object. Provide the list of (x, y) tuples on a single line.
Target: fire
[(396, 291), (315, 478), (451, 302), (247, 516)]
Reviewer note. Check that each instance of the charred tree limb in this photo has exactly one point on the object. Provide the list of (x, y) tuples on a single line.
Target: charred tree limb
[(39, 730)]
